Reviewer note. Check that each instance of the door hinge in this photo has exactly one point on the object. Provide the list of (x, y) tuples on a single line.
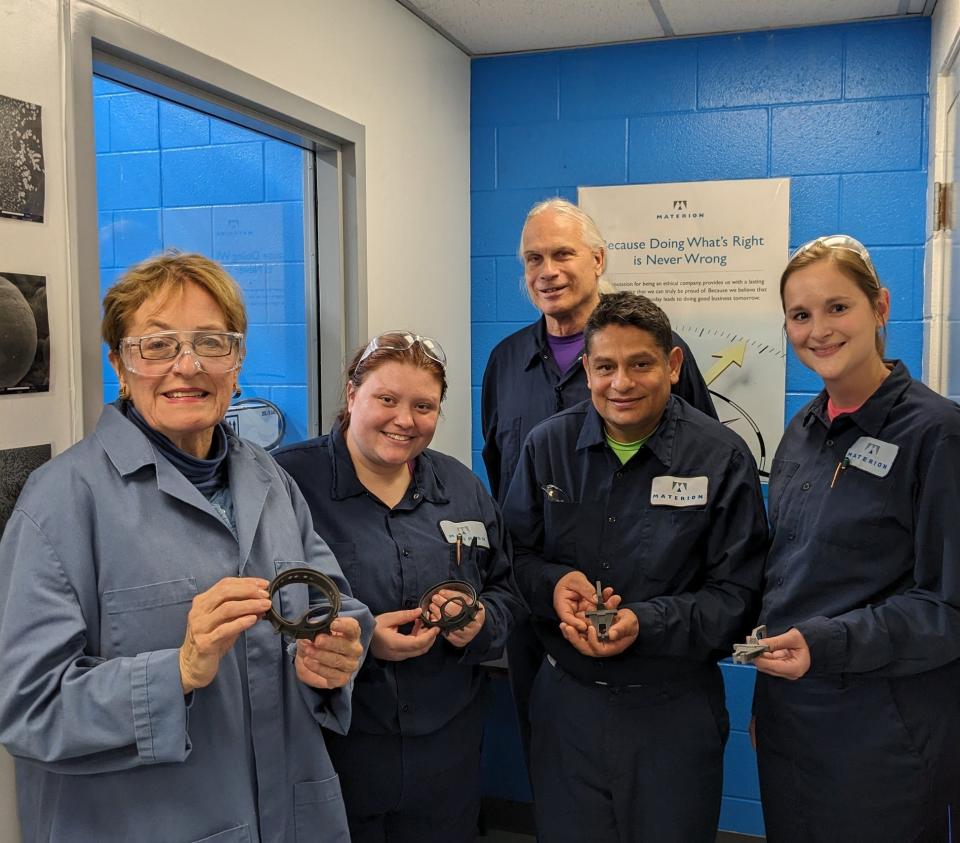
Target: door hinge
[(941, 205)]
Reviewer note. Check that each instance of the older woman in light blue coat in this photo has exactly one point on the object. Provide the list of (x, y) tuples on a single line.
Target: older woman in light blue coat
[(143, 696)]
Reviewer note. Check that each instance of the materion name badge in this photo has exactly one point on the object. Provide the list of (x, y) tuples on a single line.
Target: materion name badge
[(466, 531), (872, 455), (678, 491)]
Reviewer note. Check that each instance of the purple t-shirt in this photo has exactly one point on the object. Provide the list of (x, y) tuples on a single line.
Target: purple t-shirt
[(565, 349)]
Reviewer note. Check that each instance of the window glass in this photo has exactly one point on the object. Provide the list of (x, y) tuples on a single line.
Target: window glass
[(171, 177)]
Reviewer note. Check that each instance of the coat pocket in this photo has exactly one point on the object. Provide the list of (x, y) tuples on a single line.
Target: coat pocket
[(319, 812), (238, 834), (148, 617)]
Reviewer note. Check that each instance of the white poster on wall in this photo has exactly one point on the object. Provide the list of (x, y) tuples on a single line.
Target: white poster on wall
[(711, 254)]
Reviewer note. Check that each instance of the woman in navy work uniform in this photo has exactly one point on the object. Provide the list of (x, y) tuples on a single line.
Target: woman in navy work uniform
[(862, 588), (402, 519)]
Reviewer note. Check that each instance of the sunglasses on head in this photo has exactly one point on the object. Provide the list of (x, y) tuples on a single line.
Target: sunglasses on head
[(403, 341), (845, 242)]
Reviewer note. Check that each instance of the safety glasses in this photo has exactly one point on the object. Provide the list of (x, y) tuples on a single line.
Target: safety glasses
[(154, 355), (402, 341), (845, 242)]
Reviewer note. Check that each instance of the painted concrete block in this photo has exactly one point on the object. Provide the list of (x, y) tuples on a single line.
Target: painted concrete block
[(188, 229), (628, 80), (483, 158), (694, 147), (758, 68), (133, 122), (483, 289), (181, 126), (513, 89), (270, 233), (847, 137), (869, 200), (569, 152), (283, 171), (496, 218), (213, 175), (814, 207), (286, 292), (136, 236), (128, 180), (513, 303), (885, 60)]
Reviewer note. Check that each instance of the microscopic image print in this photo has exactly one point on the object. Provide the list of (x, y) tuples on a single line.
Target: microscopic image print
[(15, 467), (21, 160), (24, 334)]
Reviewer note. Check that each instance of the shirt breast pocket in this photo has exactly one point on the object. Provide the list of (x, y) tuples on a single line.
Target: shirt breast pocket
[(148, 617), (561, 526), (781, 473), (346, 553)]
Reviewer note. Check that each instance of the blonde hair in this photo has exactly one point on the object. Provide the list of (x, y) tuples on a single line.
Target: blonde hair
[(164, 275)]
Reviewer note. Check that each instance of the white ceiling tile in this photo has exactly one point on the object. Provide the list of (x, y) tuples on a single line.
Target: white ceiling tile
[(495, 26), (506, 26), (697, 17)]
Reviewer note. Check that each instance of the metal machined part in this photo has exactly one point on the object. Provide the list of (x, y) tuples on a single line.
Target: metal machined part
[(317, 618), (746, 653), (455, 612), (602, 618)]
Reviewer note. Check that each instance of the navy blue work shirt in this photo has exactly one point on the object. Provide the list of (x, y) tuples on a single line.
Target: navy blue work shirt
[(391, 557), (679, 531), (867, 565), (522, 385)]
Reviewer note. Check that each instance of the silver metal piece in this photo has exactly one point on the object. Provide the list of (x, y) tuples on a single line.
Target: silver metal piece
[(601, 617), (746, 653)]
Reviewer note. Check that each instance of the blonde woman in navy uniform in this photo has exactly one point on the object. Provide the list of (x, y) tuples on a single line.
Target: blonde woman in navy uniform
[(393, 511), (858, 703)]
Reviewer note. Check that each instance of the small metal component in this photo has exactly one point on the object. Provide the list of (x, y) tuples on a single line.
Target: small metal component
[(746, 653), (455, 612), (317, 618), (602, 618)]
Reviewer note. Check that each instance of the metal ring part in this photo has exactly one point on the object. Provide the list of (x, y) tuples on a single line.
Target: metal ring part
[(465, 605), (316, 619)]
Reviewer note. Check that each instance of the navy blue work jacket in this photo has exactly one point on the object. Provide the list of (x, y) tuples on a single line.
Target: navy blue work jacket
[(867, 565), (691, 573), (522, 385), (391, 557), (99, 563)]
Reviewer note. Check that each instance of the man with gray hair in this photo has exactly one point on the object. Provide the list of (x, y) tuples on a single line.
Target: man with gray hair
[(537, 371)]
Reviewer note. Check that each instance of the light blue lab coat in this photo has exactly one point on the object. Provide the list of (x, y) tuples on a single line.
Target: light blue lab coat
[(98, 565)]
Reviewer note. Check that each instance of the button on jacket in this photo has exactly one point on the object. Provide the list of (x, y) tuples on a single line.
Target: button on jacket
[(99, 562), (866, 566), (522, 386), (690, 573), (391, 557)]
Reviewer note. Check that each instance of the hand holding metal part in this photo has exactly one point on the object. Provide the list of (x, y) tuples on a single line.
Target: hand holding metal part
[(450, 613), (746, 653), (602, 618), (318, 617)]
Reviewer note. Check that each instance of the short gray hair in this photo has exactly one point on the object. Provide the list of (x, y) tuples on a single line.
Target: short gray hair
[(591, 235)]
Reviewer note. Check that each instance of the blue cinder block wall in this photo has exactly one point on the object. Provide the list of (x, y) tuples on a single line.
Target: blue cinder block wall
[(842, 110)]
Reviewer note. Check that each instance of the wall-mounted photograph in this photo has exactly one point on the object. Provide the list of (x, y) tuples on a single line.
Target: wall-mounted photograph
[(15, 467), (21, 160), (24, 334)]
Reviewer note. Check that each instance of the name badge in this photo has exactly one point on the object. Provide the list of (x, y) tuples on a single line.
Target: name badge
[(873, 456), (466, 531), (678, 491)]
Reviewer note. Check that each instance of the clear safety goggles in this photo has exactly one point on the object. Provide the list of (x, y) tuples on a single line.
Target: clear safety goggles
[(842, 241), (402, 341), (154, 355)]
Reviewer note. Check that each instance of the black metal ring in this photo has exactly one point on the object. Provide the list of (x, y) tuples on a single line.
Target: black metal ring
[(314, 620), (468, 603)]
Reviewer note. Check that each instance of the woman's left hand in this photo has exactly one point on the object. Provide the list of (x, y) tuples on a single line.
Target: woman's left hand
[(460, 637), (788, 656), (332, 657)]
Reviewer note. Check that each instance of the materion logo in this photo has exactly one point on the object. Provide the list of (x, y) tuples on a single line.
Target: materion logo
[(872, 448), (679, 487), (680, 211)]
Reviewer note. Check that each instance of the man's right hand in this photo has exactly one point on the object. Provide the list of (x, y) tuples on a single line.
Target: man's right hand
[(392, 645)]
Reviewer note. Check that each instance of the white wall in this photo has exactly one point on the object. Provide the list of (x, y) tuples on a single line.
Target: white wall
[(369, 60), (939, 310)]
